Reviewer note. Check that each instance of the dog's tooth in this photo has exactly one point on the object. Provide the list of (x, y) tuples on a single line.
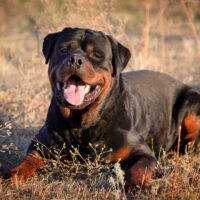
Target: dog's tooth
[(87, 89), (97, 87)]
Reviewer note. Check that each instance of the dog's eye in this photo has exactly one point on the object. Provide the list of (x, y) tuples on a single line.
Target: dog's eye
[(64, 50), (70, 46), (96, 55)]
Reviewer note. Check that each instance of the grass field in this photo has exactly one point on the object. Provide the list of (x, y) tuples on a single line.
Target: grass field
[(162, 35)]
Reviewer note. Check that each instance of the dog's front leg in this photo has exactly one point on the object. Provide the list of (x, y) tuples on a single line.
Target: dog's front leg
[(141, 172), (34, 159), (136, 158), (31, 163)]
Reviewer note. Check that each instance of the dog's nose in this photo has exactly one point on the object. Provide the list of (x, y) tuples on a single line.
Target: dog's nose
[(77, 60)]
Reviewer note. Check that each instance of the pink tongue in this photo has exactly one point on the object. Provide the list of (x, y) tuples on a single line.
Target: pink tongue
[(74, 94)]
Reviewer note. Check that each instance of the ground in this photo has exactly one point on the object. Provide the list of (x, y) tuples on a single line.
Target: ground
[(162, 36)]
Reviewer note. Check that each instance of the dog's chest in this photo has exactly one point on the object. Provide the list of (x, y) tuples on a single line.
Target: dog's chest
[(94, 135)]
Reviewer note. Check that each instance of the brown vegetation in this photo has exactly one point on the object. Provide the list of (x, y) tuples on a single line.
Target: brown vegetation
[(162, 36)]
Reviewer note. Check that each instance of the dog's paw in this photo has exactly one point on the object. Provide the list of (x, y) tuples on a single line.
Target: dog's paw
[(141, 172), (25, 169)]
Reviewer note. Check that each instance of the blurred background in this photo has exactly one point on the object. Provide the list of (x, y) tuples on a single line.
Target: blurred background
[(163, 35)]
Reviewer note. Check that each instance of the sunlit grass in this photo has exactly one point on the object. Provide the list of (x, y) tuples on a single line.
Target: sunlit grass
[(168, 46)]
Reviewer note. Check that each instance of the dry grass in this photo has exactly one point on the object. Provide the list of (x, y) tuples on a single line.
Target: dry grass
[(162, 36)]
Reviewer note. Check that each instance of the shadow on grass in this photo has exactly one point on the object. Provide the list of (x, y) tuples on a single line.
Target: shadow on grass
[(14, 142)]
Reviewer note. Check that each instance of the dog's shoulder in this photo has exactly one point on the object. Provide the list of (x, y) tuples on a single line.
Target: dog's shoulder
[(146, 82)]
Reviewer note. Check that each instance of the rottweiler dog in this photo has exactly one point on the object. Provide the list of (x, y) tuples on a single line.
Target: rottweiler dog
[(136, 114)]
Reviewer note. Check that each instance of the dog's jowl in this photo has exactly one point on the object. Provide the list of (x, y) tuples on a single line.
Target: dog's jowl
[(94, 102)]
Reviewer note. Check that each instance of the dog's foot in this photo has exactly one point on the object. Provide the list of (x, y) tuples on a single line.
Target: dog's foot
[(140, 173), (25, 169)]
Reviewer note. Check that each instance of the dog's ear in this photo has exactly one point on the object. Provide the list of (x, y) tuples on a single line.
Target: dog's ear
[(48, 45), (121, 55)]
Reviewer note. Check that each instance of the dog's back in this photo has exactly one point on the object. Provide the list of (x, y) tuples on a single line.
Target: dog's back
[(162, 104)]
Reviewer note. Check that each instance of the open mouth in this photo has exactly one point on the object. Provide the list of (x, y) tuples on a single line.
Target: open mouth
[(76, 92)]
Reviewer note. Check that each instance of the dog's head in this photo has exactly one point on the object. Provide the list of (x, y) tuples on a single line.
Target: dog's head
[(82, 65)]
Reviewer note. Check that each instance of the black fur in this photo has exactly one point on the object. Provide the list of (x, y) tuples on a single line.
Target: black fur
[(142, 109)]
